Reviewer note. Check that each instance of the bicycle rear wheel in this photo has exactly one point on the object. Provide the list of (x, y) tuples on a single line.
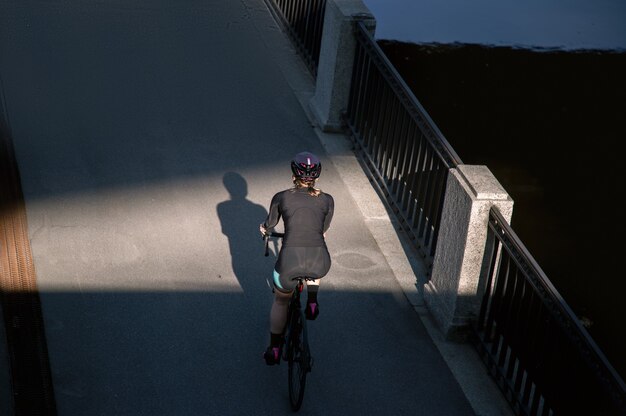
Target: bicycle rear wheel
[(298, 358)]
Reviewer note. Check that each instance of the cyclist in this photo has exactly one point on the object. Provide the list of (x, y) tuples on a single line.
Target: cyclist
[(306, 212)]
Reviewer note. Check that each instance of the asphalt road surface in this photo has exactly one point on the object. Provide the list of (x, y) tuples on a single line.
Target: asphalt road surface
[(151, 136)]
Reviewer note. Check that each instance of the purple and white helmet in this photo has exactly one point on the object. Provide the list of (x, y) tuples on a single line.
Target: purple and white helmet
[(306, 166)]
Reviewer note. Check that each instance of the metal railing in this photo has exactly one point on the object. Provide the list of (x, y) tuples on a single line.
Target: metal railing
[(304, 21), (532, 342), (404, 152)]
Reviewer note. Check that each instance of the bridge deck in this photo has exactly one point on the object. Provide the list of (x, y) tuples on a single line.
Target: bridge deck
[(150, 138)]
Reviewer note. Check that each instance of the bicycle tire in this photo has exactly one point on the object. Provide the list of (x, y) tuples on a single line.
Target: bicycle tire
[(298, 359)]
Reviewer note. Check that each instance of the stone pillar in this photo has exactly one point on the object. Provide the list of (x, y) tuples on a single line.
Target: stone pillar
[(334, 71), (453, 294)]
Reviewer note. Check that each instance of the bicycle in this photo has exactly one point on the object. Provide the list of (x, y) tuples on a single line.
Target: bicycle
[(297, 352)]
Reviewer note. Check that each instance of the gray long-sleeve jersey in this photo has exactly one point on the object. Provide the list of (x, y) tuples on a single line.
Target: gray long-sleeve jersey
[(306, 217)]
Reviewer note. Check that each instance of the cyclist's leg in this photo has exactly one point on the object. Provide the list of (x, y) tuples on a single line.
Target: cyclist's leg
[(318, 265), (312, 307), (278, 318), (278, 313)]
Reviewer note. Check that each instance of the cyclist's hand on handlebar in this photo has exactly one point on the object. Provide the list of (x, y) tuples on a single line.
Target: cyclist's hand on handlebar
[(263, 230)]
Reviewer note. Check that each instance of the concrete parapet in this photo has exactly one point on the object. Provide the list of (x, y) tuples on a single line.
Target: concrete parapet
[(336, 60), (453, 293)]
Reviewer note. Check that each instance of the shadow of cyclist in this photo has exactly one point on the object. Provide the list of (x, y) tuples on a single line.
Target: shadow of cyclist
[(240, 219)]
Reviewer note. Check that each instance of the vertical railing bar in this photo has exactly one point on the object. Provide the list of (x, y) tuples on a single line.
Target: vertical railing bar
[(364, 103), (419, 148), (521, 334), (371, 100), (370, 137), (300, 21), (370, 90), (510, 306), (308, 28), (384, 128), (431, 203), (551, 352), (532, 336), (501, 284), (428, 203), (389, 160), (541, 375), (420, 184), (536, 400), (510, 330), (380, 121), (418, 173), (505, 306), (494, 292), (364, 97), (355, 81), (487, 296), (319, 30), (422, 188), (410, 148), (437, 206), (520, 312), (398, 156), (416, 179), (288, 13), (378, 117), (297, 19)]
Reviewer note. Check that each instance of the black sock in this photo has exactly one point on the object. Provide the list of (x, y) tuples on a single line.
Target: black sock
[(275, 339), (312, 293)]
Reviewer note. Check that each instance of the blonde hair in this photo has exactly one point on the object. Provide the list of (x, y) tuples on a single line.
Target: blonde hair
[(310, 185)]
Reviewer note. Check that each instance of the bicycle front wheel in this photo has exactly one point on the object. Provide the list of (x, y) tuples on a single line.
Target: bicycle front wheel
[(298, 359)]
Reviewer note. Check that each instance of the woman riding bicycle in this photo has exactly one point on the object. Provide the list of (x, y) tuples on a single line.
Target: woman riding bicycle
[(306, 212)]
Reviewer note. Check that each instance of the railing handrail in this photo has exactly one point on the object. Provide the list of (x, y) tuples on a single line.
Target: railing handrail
[(568, 321), (441, 145), (403, 150)]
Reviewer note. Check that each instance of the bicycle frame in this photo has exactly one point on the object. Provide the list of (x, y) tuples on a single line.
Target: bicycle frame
[(295, 305), (295, 346)]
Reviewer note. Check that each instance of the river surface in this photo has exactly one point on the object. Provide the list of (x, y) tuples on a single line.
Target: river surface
[(549, 126), (562, 24)]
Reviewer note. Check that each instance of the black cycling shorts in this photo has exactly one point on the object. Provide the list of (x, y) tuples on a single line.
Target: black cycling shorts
[(313, 262)]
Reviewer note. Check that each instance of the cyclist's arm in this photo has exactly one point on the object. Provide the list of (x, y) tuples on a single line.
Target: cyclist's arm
[(329, 215), (274, 214)]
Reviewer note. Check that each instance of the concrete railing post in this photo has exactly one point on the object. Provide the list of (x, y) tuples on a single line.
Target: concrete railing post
[(453, 294), (334, 72)]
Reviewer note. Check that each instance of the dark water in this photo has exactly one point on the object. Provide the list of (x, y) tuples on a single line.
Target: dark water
[(551, 127)]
